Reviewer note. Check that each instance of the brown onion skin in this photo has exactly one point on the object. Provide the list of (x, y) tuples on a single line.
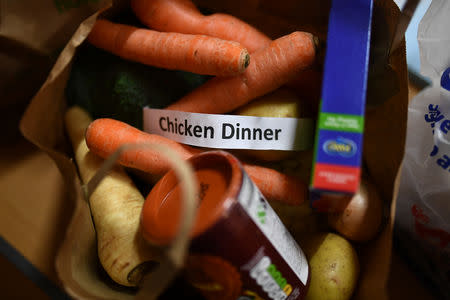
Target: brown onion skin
[(361, 219)]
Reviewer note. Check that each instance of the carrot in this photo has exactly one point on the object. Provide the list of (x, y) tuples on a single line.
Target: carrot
[(276, 186), (115, 206), (104, 136), (271, 68), (199, 54), (186, 18)]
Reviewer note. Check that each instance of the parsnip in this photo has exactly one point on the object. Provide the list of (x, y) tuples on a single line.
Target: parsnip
[(115, 206)]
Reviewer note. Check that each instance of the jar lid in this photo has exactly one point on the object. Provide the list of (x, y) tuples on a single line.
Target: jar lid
[(219, 176), (445, 79)]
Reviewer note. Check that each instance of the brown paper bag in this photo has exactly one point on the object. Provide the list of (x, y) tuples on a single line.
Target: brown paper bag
[(42, 123), (31, 35)]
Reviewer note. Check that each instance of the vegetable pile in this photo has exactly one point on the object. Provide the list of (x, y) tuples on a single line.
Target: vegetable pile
[(170, 55)]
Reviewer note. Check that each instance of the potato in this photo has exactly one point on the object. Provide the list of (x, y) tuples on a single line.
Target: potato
[(362, 218), (334, 267), (282, 103)]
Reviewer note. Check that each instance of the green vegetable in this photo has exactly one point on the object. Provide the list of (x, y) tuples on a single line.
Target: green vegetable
[(109, 86)]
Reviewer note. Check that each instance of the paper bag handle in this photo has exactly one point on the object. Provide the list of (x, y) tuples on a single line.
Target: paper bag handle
[(174, 256)]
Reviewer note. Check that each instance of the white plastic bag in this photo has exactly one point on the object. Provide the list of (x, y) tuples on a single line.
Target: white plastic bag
[(423, 205)]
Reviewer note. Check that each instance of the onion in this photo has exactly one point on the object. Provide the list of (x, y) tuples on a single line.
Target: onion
[(362, 217)]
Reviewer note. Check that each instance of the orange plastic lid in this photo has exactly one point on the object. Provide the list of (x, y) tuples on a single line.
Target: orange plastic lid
[(219, 177)]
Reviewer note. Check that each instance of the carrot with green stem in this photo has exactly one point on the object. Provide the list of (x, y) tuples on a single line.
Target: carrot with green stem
[(199, 54), (271, 68), (183, 16), (105, 136)]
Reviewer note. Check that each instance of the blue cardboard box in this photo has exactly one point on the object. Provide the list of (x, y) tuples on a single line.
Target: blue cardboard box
[(340, 127)]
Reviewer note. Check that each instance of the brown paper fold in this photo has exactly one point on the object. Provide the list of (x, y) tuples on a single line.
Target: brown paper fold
[(42, 124)]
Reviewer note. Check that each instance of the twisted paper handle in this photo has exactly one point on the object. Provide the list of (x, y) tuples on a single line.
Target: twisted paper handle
[(174, 255)]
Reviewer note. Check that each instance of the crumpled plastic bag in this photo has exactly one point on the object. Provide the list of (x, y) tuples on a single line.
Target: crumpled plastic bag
[(422, 228), (434, 40)]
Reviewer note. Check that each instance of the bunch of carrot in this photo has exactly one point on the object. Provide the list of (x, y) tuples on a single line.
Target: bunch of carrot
[(183, 16), (247, 63), (180, 37)]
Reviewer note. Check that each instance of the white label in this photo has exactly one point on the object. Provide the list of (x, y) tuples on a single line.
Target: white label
[(271, 226), (230, 131)]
